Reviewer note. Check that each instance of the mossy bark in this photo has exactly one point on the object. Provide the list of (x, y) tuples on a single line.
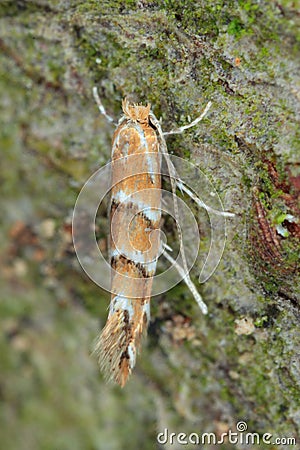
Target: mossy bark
[(195, 374)]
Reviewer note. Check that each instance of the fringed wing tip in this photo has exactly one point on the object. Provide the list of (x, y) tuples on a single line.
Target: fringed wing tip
[(116, 348), (115, 352), (111, 361)]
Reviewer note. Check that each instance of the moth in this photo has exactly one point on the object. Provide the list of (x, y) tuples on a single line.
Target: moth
[(138, 145)]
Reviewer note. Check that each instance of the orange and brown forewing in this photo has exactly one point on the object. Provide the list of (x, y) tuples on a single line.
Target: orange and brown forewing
[(135, 215)]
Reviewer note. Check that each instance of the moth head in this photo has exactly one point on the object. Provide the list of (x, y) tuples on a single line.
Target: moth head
[(135, 111)]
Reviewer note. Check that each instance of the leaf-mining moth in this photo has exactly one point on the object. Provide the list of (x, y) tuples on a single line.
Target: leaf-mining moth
[(135, 213)]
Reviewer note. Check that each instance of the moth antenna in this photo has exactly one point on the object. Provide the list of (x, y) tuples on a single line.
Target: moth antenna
[(186, 278), (199, 202), (101, 107), (189, 125)]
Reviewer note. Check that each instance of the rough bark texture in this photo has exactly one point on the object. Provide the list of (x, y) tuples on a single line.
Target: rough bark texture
[(195, 373)]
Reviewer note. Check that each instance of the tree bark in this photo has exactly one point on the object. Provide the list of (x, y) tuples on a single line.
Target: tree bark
[(195, 373)]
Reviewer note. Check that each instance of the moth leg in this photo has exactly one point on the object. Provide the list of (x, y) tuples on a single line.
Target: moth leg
[(177, 182), (101, 107), (186, 278), (184, 189), (167, 247), (172, 171), (189, 125), (173, 177), (199, 202)]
